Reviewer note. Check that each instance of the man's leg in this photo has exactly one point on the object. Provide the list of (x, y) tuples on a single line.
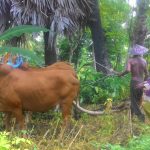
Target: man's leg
[(136, 95)]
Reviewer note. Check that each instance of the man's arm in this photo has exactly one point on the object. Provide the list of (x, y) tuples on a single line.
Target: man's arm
[(128, 69)]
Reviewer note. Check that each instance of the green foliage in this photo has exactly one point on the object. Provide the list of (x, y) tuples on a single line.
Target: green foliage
[(64, 46), (115, 17), (29, 55), (19, 30), (70, 48), (7, 142), (4, 142), (139, 143), (95, 86), (97, 131), (112, 147), (136, 143)]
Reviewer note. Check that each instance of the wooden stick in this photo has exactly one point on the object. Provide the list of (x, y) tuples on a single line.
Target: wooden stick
[(74, 138)]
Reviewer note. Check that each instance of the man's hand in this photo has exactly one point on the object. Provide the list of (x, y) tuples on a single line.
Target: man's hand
[(119, 74), (141, 85), (123, 73)]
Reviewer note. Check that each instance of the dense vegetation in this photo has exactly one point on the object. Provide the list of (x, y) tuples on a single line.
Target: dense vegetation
[(107, 132), (110, 131)]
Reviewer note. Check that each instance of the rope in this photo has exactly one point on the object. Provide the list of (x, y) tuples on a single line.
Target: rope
[(109, 69), (103, 78)]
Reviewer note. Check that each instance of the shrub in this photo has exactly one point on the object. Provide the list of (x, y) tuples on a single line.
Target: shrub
[(96, 87), (13, 142)]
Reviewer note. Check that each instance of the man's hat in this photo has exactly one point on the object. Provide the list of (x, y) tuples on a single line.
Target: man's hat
[(138, 50)]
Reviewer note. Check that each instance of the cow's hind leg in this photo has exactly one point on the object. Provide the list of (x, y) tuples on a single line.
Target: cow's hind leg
[(66, 106), (66, 113), (7, 120), (18, 114)]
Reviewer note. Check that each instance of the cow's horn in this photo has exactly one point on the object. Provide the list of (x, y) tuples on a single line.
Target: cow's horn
[(17, 65), (90, 112)]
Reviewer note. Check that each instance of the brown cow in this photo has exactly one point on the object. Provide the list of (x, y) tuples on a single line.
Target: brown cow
[(37, 91)]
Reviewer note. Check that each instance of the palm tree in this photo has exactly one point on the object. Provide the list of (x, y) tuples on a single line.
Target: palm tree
[(99, 40), (140, 28), (60, 16)]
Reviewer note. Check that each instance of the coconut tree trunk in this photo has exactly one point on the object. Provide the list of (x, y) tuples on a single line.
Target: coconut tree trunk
[(100, 50), (50, 49), (140, 29)]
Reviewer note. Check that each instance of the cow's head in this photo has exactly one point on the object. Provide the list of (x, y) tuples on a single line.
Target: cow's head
[(5, 69)]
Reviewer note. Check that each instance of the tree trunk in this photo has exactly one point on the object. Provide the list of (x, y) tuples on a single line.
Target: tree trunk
[(50, 45), (140, 29), (100, 50)]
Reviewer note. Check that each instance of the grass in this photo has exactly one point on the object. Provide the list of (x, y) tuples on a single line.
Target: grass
[(88, 133)]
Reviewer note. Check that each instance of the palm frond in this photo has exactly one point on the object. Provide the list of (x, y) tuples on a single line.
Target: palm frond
[(19, 30), (61, 16), (4, 15), (68, 15), (4, 5)]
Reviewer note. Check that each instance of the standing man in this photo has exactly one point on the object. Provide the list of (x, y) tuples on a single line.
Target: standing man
[(137, 66)]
